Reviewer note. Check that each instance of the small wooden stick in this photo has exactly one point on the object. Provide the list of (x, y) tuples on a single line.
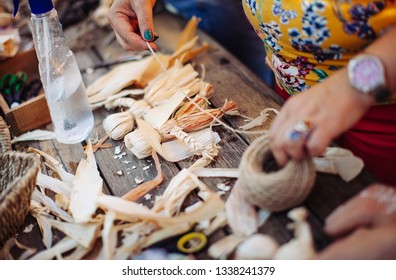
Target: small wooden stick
[(101, 144)]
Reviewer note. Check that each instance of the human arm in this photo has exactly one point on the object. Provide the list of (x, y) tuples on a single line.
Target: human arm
[(132, 21), (332, 106), (364, 227)]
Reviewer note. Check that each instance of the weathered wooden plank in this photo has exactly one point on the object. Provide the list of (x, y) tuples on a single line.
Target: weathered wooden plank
[(131, 167), (330, 191)]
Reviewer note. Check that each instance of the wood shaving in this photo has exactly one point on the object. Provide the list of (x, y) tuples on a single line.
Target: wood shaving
[(120, 156), (117, 150), (138, 180), (28, 229), (223, 187)]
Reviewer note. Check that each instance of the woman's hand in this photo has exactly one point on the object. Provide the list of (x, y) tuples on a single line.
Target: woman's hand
[(328, 108), (132, 21), (365, 226), (325, 111)]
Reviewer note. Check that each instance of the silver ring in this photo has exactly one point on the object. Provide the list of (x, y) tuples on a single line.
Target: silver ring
[(300, 131)]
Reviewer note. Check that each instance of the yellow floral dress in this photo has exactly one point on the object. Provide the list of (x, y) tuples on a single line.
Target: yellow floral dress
[(307, 40)]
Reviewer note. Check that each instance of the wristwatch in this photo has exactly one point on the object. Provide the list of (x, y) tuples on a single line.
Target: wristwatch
[(366, 74)]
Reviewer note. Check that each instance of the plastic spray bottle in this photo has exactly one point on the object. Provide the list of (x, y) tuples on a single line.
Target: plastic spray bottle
[(64, 88)]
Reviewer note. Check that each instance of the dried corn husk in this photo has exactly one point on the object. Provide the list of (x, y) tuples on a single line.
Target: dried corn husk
[(222, 248), (161, 222), (172, 151), (56, 166), (191, 120), (218, 222), (87, 185), (136, 142), (241, 215), (216, 172), (339, 161), (122, 76), (84, 234), (201, 100), (109, 237), (158, 115), (45, 228), (35, 135), (116, 100), (301, 246), (180, 186), (165, 233), (187, 40), (199, 118), (163, 96), (188, 32), (260, 120), (63, 246), (130, 210), (51, 205), (175, 79), (119, 124), (53, 184), (257, 247)]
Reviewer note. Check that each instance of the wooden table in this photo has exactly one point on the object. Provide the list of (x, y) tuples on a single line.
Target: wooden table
[(231, 80)]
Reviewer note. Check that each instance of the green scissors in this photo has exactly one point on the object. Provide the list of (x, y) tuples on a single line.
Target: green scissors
[(12, 86)]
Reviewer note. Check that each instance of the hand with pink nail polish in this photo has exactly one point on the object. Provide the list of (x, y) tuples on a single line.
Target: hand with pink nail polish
[(364, 227), (132, 21)]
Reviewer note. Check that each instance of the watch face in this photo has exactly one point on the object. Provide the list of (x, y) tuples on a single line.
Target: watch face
[(366, 73)]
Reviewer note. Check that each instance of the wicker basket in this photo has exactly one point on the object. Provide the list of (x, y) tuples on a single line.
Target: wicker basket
[(18, 174), (5, 138)]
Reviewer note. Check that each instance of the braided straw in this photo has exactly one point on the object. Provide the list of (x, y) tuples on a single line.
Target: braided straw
[(278, 190), (18, 173)]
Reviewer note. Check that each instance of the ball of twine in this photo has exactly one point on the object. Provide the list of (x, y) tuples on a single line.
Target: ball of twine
[(273, 190)]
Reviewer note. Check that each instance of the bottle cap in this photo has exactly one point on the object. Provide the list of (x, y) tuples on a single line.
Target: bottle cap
[(36, 6)]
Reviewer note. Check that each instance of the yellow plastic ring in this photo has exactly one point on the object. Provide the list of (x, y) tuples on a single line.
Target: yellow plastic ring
[(192, 242)]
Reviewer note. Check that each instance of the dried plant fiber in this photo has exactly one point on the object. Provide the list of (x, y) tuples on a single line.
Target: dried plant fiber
[(277, 190), (18, 173), (5, 137)]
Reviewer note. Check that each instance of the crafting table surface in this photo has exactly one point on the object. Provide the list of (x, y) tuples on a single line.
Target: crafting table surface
[(231, 81)]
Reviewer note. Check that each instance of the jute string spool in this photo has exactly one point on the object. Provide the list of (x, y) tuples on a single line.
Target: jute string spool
[(273, 190)]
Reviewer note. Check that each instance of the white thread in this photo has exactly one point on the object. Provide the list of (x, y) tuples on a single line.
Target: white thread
[(156, 56)]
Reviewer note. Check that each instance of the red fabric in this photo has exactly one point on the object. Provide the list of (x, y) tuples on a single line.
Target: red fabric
[(281, 92), (373, 139)]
